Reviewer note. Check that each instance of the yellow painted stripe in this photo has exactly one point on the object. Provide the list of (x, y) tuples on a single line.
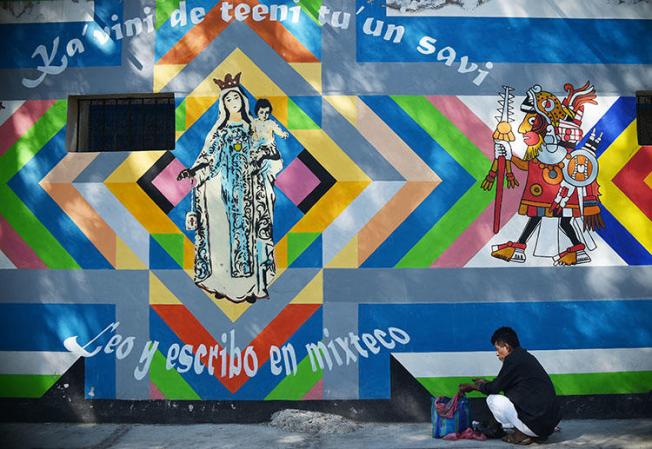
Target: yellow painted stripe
[(311, 72), (611, 163), (196, 107), (125, 258), (143, 208), (134, 166), (330, 156), (313, 292), (330, 206), (164, 73), (347, 106), (253, 78), (159, 293), (347, 257)]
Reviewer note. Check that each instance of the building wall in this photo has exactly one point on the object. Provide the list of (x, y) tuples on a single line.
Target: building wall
[(380, 221)]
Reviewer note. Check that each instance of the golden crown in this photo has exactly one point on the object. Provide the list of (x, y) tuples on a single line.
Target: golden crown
[(229, 81)]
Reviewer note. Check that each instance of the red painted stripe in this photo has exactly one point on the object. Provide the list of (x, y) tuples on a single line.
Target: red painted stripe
[(631, 180), (316, 393), (16, 249), (202, 34), (478, 233), (466, 121), (190, 331), (21, 121)]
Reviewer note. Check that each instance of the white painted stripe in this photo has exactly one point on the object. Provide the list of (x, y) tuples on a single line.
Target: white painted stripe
[(36, 362), (5, 263), (19, 12), (118, 217), (9, 108), (360, 211), (565, 361), (602, 256), (553, 9)]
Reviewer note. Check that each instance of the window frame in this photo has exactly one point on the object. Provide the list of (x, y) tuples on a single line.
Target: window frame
[(74, 119)]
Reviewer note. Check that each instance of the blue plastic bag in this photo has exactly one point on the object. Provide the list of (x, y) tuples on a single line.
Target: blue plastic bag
[(454, 418)]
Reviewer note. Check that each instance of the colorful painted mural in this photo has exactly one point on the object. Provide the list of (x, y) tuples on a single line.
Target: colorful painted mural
[(326, 208)]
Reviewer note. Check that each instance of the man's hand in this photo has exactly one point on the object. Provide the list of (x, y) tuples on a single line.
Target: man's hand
[(183, 174), (502, 148), (478, 381), (465, 388)]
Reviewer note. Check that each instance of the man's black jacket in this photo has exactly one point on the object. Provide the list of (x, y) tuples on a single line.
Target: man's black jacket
[(528, 386)]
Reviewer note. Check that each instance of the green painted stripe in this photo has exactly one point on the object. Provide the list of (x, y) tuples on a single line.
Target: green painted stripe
[(311, 8), (449, 227), (172, 244), (446, 386), (624, 382), (445, 133), (32, 231), (164, 10), (297, 119), (298, 242), (469, 206), (582, 384), (37, 236), (170, 382), (26, 385), (32, 141), (180, 117), (295, 386)]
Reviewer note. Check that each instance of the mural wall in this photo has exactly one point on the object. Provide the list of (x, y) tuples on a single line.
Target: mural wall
[(352, 182)]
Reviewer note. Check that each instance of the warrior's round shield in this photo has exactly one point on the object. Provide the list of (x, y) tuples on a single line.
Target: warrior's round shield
[(581, 168)]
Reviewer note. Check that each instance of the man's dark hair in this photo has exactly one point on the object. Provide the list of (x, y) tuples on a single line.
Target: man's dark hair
[(262, 103), (505, 335)]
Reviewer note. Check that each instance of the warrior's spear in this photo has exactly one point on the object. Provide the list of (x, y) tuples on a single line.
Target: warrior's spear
[(503, 132)]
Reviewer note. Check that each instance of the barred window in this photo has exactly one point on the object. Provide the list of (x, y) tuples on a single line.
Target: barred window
[(130, 122), (644, 117)]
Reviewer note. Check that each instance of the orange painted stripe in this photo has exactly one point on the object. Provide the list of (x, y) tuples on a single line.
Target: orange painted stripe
[(143, 208), (388, 219), (190, 331), (85, 217), (202, 34)]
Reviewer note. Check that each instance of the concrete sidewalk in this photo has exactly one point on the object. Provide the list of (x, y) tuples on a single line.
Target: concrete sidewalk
[(607, 434)]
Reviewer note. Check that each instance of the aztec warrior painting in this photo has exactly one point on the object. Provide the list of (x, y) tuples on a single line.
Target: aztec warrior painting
[(352, 196)]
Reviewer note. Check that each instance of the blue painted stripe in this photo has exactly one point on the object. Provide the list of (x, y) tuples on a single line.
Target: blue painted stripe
[(469, 326), (26, 185), (167, 35), (264, 382), (512, 40), (204, 384), (286, 215), (178, 216), (25, 38), (612, 124), (622, 241), (257, 387), (44, 327), (455, 181), (311, 106), (190, 143), (306, 30)]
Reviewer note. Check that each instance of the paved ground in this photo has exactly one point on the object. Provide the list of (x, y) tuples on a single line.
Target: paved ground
[(585, 434)]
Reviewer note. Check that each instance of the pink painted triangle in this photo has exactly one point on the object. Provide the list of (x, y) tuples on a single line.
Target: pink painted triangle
[(15, 248), (154, 392), (21, 121), (316, 392)]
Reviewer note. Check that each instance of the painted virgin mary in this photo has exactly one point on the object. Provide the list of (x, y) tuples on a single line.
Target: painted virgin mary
[(227, 262)]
